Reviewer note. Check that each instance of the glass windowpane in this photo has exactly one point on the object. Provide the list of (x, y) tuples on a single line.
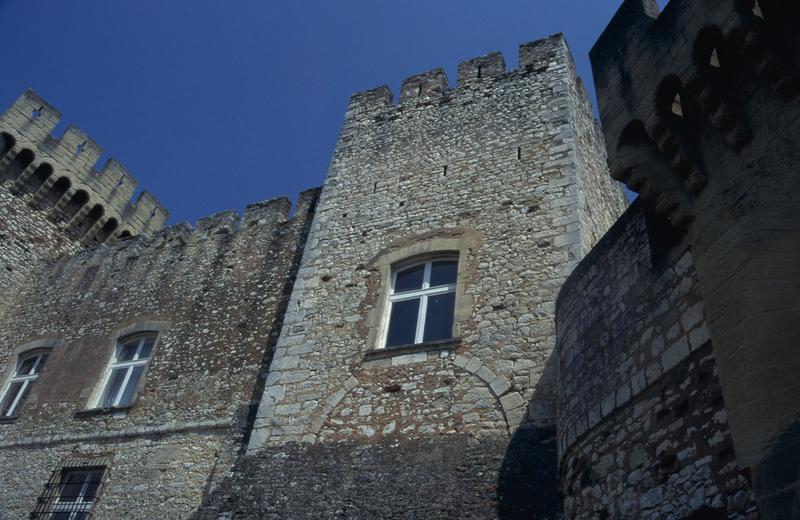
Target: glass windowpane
[(443, 272), (113, 386), (403, 323), (410, 279), (92, 484), (13, 389), (127, 350), (130, 388), (147, 347), (72, 482), (439, 317), (41, 363), (26, 366)]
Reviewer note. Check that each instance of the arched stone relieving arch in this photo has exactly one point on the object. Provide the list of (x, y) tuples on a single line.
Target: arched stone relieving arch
[(510, 402), (74, 205), (54, 194), (765, 37), (82, 225), (18, 164), (106, 231), (33, 182), (7, 143)]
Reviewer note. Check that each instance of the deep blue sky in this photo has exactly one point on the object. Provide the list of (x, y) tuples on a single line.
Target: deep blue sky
[(216, 104)]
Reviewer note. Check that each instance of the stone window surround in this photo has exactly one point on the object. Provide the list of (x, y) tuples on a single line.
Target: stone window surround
[(459, 241), (42, 344), (141, 327)]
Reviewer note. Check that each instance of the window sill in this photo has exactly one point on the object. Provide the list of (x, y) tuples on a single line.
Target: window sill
[(401, 350), (9, 420), (117, 411)]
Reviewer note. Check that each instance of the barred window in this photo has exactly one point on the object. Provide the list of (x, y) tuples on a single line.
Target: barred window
[(421, 302), (126, 370), (72, 491), (29, 365)]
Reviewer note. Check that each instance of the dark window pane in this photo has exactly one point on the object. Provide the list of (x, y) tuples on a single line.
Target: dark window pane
[(410, 279), (92, 483), (127, 350), (8, 400), (130, 388), (444, 272), (114, 384), (26, 366), (72, 483), (146, 348), (40, 366), (403, 323), (439, 317)]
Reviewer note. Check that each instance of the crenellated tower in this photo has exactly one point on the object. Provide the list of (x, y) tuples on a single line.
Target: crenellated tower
[(499, 180), (699, 105), (52, 199)]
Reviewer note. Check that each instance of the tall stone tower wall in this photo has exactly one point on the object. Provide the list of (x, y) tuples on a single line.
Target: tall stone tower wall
[(503, 171), (699, 110)]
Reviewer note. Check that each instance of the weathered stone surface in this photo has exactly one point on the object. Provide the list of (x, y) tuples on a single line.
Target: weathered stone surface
[(215, 296)]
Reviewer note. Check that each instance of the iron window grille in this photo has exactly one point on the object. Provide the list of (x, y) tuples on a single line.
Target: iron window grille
[(29, 365), (72, 491)]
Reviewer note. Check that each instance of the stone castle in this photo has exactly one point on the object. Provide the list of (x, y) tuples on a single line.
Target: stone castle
[(466, 321)]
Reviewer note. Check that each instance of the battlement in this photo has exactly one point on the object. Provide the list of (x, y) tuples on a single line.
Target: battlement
[(480, 72), (269, 215), (58, 175), (662, 75)]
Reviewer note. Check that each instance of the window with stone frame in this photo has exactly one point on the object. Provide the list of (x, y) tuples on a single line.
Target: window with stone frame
[(26, 372), (73, 490), (125, 373), (421, 302)]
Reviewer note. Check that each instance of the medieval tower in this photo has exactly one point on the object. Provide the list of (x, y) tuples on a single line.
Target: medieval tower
[(467, 320)]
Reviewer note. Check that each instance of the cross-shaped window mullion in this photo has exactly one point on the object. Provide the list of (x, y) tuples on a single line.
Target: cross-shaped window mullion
[(407, 295)]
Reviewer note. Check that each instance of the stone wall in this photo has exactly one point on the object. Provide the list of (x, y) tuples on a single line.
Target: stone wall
[(488, 170), (26, 240), (642, 424), (215, 294), (700, 114), (436, 477)]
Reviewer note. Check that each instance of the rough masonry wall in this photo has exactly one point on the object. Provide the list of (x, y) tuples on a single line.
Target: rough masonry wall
[(442, 477), (489, 170), (216, 294), (700, 113), (26, 240), (600, 199), (642, 426)]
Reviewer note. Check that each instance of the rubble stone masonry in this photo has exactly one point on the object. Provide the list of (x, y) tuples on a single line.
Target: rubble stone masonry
[(500, 170)]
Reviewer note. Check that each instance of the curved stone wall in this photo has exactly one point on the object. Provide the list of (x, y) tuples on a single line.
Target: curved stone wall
[(642, 425)]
